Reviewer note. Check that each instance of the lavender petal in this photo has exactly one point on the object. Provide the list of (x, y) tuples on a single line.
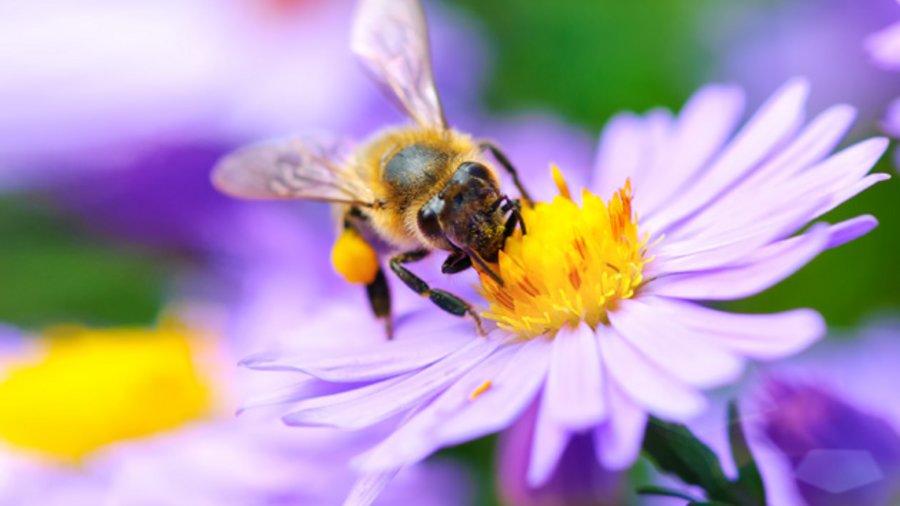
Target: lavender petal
[(763, 269), (644, 382), (671, 347), (574, 394), (758, 336)]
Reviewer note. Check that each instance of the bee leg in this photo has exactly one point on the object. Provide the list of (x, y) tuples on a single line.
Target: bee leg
[(514, 207), (380, 300), (442, 299), (458, 261), (511, 223), (377, 290), (503, 160)]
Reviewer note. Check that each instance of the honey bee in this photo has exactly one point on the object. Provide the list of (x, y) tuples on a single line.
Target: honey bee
[(407, 190)]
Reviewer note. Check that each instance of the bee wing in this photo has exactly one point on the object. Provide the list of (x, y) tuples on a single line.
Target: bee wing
[(296, 168), (391, 39)]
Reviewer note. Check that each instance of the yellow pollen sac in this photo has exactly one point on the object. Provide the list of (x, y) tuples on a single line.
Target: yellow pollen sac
[(353, 258), (573, 265), (90, 388)]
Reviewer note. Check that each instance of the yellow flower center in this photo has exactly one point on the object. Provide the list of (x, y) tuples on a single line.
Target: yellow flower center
[(573, 264), (90, 388)]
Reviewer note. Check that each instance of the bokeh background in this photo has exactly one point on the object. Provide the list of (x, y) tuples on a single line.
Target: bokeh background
[(111, 115)]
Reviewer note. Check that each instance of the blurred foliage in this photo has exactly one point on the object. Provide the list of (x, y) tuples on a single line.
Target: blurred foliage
[(53, 272), (587, 59)]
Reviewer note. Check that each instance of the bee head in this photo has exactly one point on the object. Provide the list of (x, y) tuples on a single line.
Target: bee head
[(465, 214)]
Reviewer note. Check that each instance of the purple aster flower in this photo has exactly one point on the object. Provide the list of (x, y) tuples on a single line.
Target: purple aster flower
[(141, 417), (825, 427), (599, 321)]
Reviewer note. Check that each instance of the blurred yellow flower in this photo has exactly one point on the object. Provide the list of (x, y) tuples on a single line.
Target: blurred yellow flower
[(93, 387)]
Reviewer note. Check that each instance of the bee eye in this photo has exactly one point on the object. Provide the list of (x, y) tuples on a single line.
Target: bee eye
[(428, 217), (475, 169)]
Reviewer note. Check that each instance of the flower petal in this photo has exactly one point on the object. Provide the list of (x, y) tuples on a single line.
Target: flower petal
[(763, 269), (574, 394), (641, 380), (828, 184), (656, 334), (851, 191), (770, 213), (729, 247), (470, 408), (506, 398), (618, 441), (658, 128), (368, 487), (891, 121), (309, 412), (817, 140), (759, 336), (293, 392), (547, 447), (775, 122), (850, 230), (884, 47), (619, 154), (379, 360), (743, 205), (702, 128), (821, 187), (368, 405)]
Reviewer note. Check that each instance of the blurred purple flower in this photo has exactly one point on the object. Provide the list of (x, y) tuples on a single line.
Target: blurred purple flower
[(155, 92), (891, 121), (840, 454), (223, 463), (578, 478), (104, 78), (761, 44), (825, 426), (884, 48), (718, 211), (162, 198)]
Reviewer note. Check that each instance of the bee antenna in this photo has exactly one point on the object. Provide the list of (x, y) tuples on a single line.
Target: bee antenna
[(514, 208)]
